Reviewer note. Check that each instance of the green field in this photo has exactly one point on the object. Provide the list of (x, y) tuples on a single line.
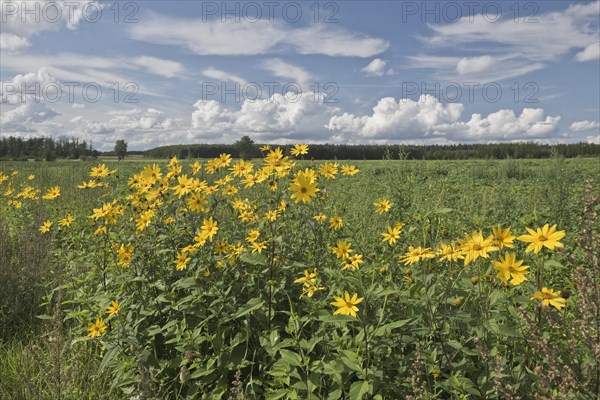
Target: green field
[(248, 313)]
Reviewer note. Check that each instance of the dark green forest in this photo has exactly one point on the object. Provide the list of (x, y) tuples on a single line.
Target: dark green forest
[(410, 152), (16, 148), (49, 149)]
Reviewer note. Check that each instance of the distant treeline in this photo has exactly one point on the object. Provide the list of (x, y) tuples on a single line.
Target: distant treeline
[(378, 152), (16, 148)]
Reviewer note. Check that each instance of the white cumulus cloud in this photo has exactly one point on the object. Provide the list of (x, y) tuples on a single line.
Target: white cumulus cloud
[(585, 125), (375, 68), (427, 117)]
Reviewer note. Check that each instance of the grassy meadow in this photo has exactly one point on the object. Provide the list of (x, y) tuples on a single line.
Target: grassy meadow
[(283, 278)]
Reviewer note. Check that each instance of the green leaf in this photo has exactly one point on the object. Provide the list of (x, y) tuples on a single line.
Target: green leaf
[(455, 344), (553, 264), (254, 259), (252, 305), (278, 394), (359, 389), (291, 357), (387, 328), (186, 283)]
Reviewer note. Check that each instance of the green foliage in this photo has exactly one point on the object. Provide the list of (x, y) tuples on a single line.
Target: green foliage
[(233, 323)]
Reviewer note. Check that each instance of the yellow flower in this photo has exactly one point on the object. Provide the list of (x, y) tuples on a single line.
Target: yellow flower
[(96, 329), (550, 298), (66, 221), (383, 205), (102, 211), (449, 252), (45, 227), (209, 228), (266, 147), (509, 268), (502, 238), (299, 149), (224, 159), (309, 277), (114, 308), (309, 290), (475, 246), (342, 250), (144, 220), (195, 168), (101, 171), (181, 262), (346, 304), (124, 254), (391, 236), (253, 235), (90, 184), (336, 223), (542, 237), (258, 247), (303, 188), (31, 177), (414, 255), (52, 193), (353, 262), (320, 217), (196, 202), (184, 186), (271, 216), (152, 173), (349, 170), (329, 170), (229, 190)]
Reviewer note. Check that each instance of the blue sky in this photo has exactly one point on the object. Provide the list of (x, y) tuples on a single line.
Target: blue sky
[(165, 72)]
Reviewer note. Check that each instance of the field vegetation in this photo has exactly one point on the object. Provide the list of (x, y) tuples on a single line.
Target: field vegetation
[(289, 278)]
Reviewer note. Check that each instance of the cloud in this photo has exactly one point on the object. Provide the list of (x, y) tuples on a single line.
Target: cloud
[(84, 69), (28, 87), (11, 42), (231, 38), (405, 117), (584, 126), (467, 66), (518, 48), (141, 128), (505, 125), (481, 69), (125, 122), (26, 117), (222, 76), (593, 139), (24, 19), (280, 117), (590, 53), (289, 71), (427, 117), (375, 68), (159, 66)]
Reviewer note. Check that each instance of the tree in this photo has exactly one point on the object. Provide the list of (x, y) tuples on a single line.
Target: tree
[(245, 147), (121, 149)]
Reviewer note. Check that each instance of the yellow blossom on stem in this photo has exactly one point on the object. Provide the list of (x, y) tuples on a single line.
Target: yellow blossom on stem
[(550, 297), (346, 304), (542, 237), (96, 329)]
